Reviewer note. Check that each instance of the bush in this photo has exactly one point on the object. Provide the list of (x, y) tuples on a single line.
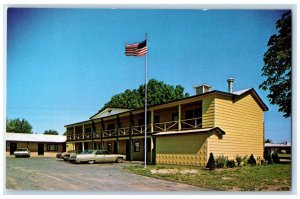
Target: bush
[(268, 157), (275, 158), (238, 160), (211, 164), (251, 160), (230, 163), (221, 161)]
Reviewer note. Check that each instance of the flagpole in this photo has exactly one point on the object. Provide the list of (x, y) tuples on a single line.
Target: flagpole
[(146, 81)]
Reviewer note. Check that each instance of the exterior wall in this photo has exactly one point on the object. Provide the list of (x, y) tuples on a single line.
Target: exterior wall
[(172, 149), (33, 148), (208, 112), (242, 122)]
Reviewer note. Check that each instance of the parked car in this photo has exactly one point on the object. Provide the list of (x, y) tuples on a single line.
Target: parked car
[(93, 156), (67, 155), (73, 156), (22, 152)]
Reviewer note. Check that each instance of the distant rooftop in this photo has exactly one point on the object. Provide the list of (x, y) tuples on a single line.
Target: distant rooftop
[(25, 137), (278, 145)]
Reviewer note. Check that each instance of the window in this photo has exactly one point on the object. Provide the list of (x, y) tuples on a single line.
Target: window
[(109, 147), (52, 147), (156, 119), (111, 126), (175, 116), (88, 130), (136, 146), (141, 122)]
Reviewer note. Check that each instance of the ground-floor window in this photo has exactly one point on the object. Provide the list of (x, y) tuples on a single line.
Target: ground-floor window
[(136, 146), (52, 147)]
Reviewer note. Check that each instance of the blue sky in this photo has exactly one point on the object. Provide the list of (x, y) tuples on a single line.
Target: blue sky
[(64, 64)]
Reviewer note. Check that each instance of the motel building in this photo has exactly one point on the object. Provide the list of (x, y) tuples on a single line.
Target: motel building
[(38, 144), (182, 132)]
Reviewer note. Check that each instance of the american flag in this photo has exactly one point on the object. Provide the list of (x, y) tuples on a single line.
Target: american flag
[(137, 49)]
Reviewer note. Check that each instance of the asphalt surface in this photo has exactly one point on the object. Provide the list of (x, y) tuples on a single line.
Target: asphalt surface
[(50, 174)]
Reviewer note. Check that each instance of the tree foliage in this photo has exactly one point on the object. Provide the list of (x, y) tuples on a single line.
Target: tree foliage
[(157, 93), (278, 66), (50, 132), (18, 126), (211, 164)]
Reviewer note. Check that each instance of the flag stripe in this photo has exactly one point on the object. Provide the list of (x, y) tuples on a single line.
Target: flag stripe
[(137, 49)]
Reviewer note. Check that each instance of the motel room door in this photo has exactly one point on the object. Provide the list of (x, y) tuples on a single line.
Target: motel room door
[(12, 147), (40, 149)]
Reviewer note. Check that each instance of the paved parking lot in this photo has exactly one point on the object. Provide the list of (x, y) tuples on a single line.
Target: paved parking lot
[(56, 175)]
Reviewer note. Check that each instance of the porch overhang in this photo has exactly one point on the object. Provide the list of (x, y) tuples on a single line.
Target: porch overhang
[(209, 131)]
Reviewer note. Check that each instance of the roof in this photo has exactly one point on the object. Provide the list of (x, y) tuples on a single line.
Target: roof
[(108, 112), (240, 92), (24, 137), (235, 96), (277, 145), (215, 130)]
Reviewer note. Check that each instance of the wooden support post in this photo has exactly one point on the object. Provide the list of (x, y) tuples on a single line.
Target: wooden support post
[(179, 117), (93, 132), (101, 133), (152, 121), (117, 133), (130, 136), (83, 131), (74, 133)]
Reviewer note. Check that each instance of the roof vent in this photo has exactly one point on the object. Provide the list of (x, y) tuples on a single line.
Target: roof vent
[(200, 89), (230, 84)]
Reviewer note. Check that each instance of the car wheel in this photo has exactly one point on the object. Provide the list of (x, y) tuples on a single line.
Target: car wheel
[(119, 160), (91, 161)]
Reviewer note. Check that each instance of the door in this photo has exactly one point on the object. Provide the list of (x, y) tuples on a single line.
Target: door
[(12, 148), (40, 149), (128, 148)]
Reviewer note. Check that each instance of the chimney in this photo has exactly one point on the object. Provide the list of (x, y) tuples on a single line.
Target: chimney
[(200, 89), (230, 84)]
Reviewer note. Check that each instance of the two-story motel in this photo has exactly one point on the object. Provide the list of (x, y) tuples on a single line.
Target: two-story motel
[(183, 131)]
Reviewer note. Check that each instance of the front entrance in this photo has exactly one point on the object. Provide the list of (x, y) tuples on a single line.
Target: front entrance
[(40, 149), (12, 148)]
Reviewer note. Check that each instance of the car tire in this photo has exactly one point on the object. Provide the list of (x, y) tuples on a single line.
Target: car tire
[(119, 160), (91, 161)]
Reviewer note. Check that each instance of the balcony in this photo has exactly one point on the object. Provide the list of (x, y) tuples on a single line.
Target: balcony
[(187, 124)]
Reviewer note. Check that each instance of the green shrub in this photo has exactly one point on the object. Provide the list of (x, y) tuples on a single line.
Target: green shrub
[(230, 163), (251, 160), (221, 161), (211, 164), (244, 160), (275, 158), (238, 160)]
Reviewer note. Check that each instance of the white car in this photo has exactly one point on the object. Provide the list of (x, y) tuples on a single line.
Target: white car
[(22, 152), (93, 156)]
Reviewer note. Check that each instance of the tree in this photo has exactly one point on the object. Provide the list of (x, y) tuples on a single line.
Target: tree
[(18, 126), (50, 132), (211, 164), (268, 141), (278, 66), (157, 93)]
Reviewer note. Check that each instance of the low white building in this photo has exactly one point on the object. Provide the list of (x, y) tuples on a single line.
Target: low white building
[(38, 144)]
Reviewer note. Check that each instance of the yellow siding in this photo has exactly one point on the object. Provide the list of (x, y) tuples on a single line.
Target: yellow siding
[(189, 149), (242, 122), (208, 115)]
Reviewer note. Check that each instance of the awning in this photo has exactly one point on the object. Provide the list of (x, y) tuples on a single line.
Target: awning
[(210, 131)]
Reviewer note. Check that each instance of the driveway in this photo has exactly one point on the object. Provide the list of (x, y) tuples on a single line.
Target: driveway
[(51, 174)]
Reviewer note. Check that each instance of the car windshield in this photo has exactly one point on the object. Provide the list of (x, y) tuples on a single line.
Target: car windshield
[(86, 152), (21, 149)]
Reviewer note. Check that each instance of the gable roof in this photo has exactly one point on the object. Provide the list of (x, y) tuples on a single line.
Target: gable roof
[(108, 112), (243, 93), (25, 137)]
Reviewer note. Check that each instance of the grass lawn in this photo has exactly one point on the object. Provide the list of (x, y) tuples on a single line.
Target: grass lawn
[(275, 177)]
